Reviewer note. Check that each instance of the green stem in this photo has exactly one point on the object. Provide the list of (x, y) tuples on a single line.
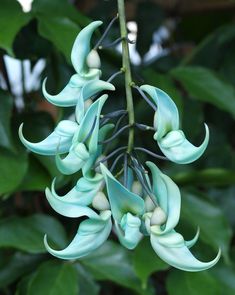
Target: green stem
[(127, 71)]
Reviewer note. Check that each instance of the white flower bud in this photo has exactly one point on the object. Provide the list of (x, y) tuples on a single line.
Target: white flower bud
[(93, 60), (149, 205), (158, 217), (136, 188), (100, 202)]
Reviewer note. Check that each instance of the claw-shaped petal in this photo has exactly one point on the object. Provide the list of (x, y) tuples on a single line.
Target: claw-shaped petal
[(68, 96), (92, 115), (129, 231), (122, 201), (179, 150), (74, 161), (75, 202), (166, 117), (92, 233), (90, 89), (59, 141), (168, 197), (192, 242), (81, 48), (171, 248), (70, 209)]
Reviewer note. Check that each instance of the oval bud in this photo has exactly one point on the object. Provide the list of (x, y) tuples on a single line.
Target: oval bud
[(93, 60), (100, 202), (136, 188), (158, 217), (149, 205)]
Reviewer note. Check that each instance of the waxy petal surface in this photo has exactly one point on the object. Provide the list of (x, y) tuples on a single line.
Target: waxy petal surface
[(179, 150), (172, 249), (122, 201), (128, 231), (168, 197), (92, 233), (59, 141), (167, 116)]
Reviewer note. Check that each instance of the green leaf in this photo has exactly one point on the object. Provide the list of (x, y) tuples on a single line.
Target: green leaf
[(5, 116), (112, 262), (12, 19), (13, 269), (206, 86), (87, 284), (13, 168), (206, 177), (26, 233), (37, 177), (51, 28), (202, 283), (54, 278), (225, 276), (214, 228), (146, 261)]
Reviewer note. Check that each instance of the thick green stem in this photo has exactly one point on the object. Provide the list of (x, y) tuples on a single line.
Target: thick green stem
[(127, 71)]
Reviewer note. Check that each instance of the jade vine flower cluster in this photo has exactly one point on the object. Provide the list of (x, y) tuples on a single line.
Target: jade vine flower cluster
[(107, 199)]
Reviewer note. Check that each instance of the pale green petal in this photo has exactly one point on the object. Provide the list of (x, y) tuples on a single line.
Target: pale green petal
[(74, 161), (92, 233), (167, 116), (69, 209), (179, 150), (128, 231), (172, 249), (70, 164), (86, 170), (81, 48), (59, 141), (90, 89), (88, 122), (82, 193), (192, 242), (68, 96), (121, 199), (168, 196)]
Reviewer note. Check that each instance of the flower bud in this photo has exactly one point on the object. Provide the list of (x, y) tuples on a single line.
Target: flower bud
[(149, 205), (137, 188), (158, 217), (93, 60), (100, 202)]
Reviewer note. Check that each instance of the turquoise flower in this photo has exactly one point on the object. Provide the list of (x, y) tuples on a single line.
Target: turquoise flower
[(75, 203), (127, 209), (85, 140), (79, 55), (169, 245), (91, 234), (169, 137), (79, 141)]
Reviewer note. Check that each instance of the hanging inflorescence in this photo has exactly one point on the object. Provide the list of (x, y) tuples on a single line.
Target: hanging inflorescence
[(105, 194)]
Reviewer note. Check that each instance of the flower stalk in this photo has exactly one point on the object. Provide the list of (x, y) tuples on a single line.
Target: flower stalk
[(127, 72)]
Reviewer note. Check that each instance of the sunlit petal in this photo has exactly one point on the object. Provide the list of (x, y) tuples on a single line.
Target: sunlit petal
[(92, 233), (59, 141), (121, 199), (167, 116), (168, 196), (172, 249), (81, 48), (179, 150), (128, 231)]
